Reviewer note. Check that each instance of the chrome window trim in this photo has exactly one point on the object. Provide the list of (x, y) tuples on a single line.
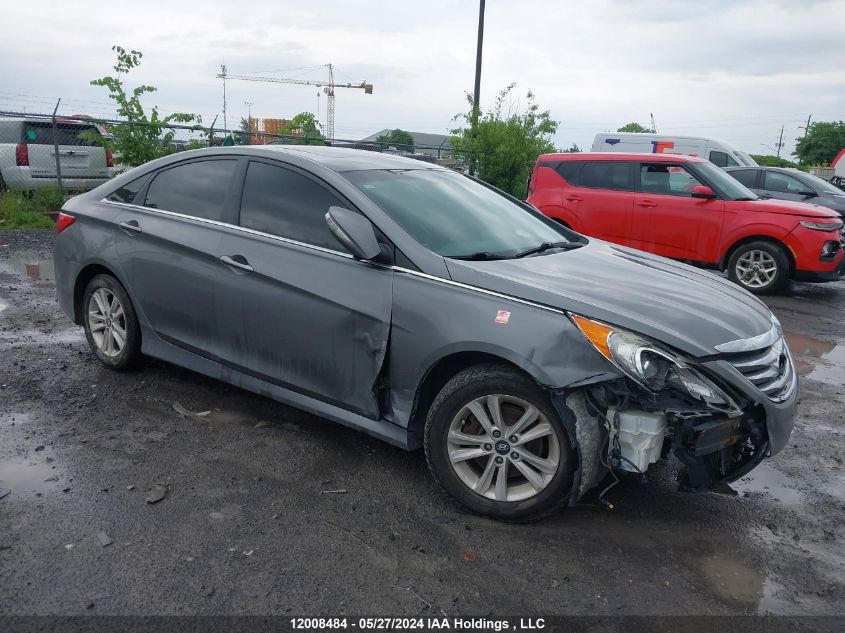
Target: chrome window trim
[(329, 251)]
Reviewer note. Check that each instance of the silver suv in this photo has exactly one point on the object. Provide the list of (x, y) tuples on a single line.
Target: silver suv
[(28, 155)]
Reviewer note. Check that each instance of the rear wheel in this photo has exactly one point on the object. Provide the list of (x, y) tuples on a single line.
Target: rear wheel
[(494, 441), (759, 267), (110, 323)]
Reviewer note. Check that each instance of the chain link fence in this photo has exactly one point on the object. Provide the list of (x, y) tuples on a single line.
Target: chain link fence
[(78, 153)]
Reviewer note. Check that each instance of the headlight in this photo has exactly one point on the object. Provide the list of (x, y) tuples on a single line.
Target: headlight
[(822, 226), (649, 365)]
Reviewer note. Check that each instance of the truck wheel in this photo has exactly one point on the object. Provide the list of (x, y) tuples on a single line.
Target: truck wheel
[(759, 267), (111, 326), (495, 443)]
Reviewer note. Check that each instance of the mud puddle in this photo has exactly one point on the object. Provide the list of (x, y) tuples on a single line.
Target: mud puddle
[(817, 359), (765, 480), (31, 264), (34, 472)]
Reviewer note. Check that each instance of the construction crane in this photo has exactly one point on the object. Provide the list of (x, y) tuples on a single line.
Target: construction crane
[(327, 86)]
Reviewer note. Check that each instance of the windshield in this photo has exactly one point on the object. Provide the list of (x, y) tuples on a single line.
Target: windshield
[(453, 215), (822, 185), (724, 183), (746, 159)]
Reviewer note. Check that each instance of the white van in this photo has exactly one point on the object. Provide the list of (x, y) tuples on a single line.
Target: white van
[(717, 152)]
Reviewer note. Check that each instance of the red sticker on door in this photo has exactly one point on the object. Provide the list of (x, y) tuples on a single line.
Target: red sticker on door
[(502, 317)]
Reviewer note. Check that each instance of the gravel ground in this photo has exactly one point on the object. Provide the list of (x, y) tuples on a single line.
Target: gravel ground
[(271, 511)]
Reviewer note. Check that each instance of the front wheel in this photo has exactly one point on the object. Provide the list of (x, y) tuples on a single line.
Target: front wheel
[(759, 267), (495, 443)]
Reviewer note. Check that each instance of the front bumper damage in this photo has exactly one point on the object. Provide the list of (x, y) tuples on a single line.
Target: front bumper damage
[(713, 448)]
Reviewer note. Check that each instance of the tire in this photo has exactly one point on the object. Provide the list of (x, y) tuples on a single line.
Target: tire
[(772, 267), (112, 329), (453, 411)]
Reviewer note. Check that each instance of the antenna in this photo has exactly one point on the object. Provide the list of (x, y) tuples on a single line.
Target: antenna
[(223, 76)]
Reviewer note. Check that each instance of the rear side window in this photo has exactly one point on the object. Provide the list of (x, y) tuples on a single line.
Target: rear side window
[(611, 175), (568, 169), (781, 183), (747, 177), (285, 203), (722, 159), (129, 191), (198, 189), (66, 134)]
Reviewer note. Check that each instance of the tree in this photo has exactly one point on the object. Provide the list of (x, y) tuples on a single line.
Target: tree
[(574, 149), (242, 134), (635, 127), (139, 138), (767, 160), (505, 145), (304, 129), (400, 139), (824, 140)]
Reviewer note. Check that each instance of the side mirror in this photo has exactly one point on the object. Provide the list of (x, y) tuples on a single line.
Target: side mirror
[(702, 191), (354, 231), (807, 193)]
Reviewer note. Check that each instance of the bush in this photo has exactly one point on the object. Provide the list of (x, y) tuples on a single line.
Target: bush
[(19, 210)]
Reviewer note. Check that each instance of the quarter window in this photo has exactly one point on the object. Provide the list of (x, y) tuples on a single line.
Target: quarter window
[(199, 188), (611, 175), (127, 192), (781, 183), (284, 203), (722, 159), (747, 177), (668, 180)]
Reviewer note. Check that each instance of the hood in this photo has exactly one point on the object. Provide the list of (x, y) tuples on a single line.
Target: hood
[(832, 201), (785, 207), (689, 309)]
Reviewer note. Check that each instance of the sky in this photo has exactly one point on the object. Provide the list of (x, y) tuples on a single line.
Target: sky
[(732, 69)]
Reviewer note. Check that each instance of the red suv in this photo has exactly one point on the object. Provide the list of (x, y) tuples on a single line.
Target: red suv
[(688, 209)]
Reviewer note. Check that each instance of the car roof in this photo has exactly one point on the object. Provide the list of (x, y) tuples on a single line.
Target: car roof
[(338, 158), (642, 156), (791, 170)]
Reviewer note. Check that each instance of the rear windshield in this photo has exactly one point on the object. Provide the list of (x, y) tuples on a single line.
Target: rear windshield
[(67, 134)]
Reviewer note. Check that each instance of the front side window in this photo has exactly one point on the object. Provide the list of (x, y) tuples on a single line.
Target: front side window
[(127, 193), (198, 189), (610, 175), (782, 183), (285, 203), (747, 177), (723, 183), (453, 215), (667, 180), (722, 159)]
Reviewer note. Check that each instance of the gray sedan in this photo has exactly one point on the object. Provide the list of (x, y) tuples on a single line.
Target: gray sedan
[(429, 310)]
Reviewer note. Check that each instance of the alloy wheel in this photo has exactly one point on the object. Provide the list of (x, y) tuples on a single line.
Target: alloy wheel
[(503, 448), (756, 269), (107, 322)]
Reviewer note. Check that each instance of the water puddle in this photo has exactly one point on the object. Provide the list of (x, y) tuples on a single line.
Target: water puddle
[(733, 580), (817, 359), (28, 475), (31, 264), (765, 480)]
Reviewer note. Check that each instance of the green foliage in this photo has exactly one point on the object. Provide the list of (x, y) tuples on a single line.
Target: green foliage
[(20, 210), (573, 149), (635, 127), (767, 160), (142, 137), (824, 140), (400, 139), (505, 144), (241, 135), (305, 129)]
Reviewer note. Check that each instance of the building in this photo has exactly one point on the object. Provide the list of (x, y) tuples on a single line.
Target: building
[(437, 145)]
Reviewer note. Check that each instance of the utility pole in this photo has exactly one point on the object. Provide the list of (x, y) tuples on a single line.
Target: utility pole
[(223, 75), (807, 129), (780, 141), (476, 95), (653, 124), (249, 105)]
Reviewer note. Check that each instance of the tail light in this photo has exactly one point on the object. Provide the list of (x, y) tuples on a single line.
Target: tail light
[(21, 155), (109, 158), (63, 221)]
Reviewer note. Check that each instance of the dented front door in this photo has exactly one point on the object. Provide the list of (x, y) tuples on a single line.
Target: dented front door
[(305, 318)]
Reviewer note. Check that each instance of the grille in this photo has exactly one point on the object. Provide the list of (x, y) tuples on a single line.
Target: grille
[(769, 369)]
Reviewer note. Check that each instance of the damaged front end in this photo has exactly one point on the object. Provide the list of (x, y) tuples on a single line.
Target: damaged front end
[(662, 404)]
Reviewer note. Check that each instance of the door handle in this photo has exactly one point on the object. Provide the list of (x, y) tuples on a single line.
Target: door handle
[(131, 226), (241, 265), (574, 199), (647, 204)]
